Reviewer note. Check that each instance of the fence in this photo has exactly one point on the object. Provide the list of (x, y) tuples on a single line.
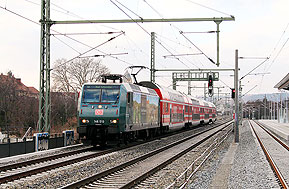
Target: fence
[(10, 148)]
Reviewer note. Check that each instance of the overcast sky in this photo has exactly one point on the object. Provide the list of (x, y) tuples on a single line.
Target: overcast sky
[(258, 31)]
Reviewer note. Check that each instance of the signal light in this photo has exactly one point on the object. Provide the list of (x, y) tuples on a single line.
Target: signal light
[(210, 81), (233, 93)]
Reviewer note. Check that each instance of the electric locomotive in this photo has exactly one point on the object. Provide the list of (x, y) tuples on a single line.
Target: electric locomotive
[(116, 111)]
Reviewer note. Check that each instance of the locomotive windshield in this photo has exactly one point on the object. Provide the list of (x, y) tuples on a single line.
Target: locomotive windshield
[(100, 93)]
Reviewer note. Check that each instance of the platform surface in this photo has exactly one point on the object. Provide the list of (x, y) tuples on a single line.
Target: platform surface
[(244, 165)]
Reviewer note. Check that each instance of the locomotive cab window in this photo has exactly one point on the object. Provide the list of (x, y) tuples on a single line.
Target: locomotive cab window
[(91, 95), (94, 93)]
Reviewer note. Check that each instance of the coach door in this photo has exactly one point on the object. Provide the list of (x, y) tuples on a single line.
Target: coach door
[(171, 113)]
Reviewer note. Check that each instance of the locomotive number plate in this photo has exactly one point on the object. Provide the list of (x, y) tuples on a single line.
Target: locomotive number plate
[(99, 112), (98, 121)]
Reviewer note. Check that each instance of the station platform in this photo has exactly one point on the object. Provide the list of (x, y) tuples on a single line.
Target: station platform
[(280, 129), (244, 164)]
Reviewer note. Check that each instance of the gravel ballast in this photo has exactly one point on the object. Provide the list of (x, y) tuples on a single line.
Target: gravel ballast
[(250, 168), (65, 175)]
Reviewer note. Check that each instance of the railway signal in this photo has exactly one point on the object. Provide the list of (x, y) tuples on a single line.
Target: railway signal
[(210, 85), (233, 93), (210, 81)]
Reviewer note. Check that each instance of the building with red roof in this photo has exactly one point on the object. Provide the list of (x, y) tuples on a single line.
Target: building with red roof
[(20, 88)]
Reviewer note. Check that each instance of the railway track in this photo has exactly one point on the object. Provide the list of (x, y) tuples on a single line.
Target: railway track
[(276, 152), (10, 166), (20, 170), (134, 171)]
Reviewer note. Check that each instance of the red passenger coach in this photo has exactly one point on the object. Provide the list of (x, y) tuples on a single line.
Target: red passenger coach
[(180, 110)]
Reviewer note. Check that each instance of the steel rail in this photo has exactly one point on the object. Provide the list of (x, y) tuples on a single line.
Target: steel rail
[(277, 139), (21, 174), (270, 160), (42, 159), (8, 178), (191, 168), (100, 175)]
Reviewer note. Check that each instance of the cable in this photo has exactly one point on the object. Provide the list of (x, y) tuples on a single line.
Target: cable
[(67, 12), (100, 33), (19, 15), (176, 57), (153, 9), (211, 60), (189, 47), (254, 69), (89, 50), (4, 8), (38, 4), (209, 8), (106, 54), (278, 54), (146, 31), (174, 33), (279, 40), (225, 83), (178, 43), (66, 44), (129, 10)]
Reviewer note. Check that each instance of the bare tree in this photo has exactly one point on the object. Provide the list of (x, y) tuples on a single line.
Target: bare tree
[(69, 77), (19, 109)]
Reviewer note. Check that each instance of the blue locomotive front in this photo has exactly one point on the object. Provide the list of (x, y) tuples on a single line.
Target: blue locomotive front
[(116, 112), (101, 110)]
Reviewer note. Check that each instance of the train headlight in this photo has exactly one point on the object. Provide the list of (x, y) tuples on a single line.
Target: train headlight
[(113, 121), (99, 106), (85, 121)]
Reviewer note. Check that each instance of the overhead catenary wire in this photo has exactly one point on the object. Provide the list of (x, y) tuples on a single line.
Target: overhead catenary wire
[(191, 54), (91, 33), (38, 4), (278, 54), (254, 68), (160, 15), (102, 55), (209, 8), (174, 33), (67, 44), (91, 49), (283, 33), (175, 56), (147, 32), (171, 26), (129, 9), (28, 19), (225, 83), (106, 54), (23, 17), (211, 60)]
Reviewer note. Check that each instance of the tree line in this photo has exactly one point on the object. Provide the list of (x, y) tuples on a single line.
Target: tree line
[(19, 109)]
